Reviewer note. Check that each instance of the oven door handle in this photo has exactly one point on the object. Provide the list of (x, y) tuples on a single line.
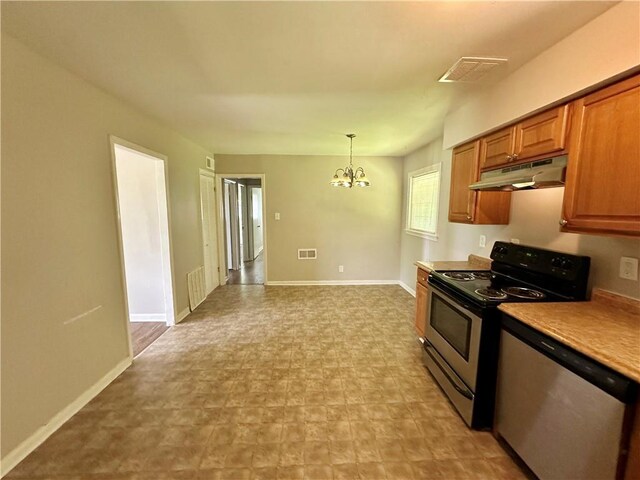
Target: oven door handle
[(462, 391), (441, 292)]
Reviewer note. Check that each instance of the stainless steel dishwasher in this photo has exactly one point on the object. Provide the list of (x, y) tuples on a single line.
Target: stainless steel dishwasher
[(561, 411)]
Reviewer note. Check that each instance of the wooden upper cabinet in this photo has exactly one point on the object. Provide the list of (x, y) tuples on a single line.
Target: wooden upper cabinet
[(497, 149), (539, 136), (542, 134), (602, 193), (464, 171), (470, 206)]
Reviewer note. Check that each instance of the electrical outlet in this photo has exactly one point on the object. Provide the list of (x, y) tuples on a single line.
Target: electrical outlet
[(483, 240), (629, 268), (277, 215), (341, 268), (516, 241)]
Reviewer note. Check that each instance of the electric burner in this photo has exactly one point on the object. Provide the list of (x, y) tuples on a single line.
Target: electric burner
[(522, 292), (461, 276), (491, 293), (483, 275)]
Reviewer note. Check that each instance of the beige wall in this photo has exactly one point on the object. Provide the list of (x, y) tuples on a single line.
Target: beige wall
[(534, 221), (357, 227), (414, 248), (59, 238), (603, 48)]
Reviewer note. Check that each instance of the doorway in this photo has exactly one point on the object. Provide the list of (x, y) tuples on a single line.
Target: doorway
[(143, 224), (243, 233)]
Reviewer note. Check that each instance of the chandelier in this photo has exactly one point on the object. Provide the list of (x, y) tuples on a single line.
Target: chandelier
[(349, 176)]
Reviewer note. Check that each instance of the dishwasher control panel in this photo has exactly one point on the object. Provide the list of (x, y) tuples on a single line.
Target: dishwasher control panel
[(594, 372)]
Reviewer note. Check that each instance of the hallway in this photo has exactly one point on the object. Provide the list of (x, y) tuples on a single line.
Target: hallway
[(251, 273), (276, 383)]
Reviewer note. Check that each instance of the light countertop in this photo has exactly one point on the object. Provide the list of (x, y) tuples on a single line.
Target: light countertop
[(607, 328), (474, 262)]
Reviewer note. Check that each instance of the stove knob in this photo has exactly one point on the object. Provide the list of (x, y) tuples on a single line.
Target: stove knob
[(566, 264), (556, 262)]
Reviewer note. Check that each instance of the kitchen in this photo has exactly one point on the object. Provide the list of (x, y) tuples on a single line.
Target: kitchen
[(529, 360), (534, 215)]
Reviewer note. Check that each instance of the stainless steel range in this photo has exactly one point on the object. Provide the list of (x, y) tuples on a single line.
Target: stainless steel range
[(463, 328)]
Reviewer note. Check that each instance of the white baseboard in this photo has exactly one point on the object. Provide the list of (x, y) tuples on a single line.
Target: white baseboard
[(41, 434), (331, 282), (182, 315), (148, 317), (407, 288)]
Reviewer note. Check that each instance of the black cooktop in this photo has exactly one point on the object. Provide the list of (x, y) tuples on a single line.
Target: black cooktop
[(490, 288), (519, 273)]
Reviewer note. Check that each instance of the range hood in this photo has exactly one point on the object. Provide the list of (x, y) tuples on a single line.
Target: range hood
[(526, 176)]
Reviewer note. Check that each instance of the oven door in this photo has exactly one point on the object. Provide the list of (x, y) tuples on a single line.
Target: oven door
[(454, 331)]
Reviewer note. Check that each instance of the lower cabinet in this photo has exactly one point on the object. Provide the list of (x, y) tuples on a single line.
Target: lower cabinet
[(632, 471), (422, 306)]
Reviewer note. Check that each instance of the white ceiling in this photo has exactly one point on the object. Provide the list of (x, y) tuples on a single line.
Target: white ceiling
[(291, 77)]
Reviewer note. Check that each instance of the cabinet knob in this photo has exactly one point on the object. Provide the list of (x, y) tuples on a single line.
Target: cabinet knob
[(562, 222), (509, 158), (468, 217), (514, 156)]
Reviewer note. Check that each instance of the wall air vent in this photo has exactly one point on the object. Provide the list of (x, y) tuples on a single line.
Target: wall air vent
[(307, 254), (471, 69), (211, 165)]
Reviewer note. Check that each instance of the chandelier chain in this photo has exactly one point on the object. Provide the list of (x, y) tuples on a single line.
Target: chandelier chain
[(351, 152)]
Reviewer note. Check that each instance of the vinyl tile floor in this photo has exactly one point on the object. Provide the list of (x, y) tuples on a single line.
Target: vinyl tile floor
[(276, 383), (250, 273)]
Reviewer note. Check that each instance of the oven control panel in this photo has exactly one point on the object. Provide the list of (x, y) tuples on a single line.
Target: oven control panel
[(548, 262)]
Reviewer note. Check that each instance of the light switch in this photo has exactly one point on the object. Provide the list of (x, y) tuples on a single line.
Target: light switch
[(277, 215), (483, 241)]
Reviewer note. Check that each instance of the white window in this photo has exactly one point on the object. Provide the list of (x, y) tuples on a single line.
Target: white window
[(422, 202)]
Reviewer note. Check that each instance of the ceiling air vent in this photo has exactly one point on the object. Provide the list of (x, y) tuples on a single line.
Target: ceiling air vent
[(307, 254), (471, 69)]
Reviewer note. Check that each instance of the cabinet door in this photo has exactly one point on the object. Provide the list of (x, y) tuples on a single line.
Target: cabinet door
[(497, 149), (422, 297), (542, 134), (602, 193), (464, 171)]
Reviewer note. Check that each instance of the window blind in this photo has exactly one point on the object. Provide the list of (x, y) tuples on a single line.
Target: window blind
[(423, 211)]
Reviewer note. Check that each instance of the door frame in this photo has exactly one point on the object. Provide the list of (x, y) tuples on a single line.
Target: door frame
[(253, 245), (232, 224), (243, 226), (220, 177), (171, 319), (209, 173)]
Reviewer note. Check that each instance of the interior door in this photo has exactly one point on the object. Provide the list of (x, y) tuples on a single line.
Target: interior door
[(243, 206), (227, 226), (256, 201), (209, 238), (234, 226)]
